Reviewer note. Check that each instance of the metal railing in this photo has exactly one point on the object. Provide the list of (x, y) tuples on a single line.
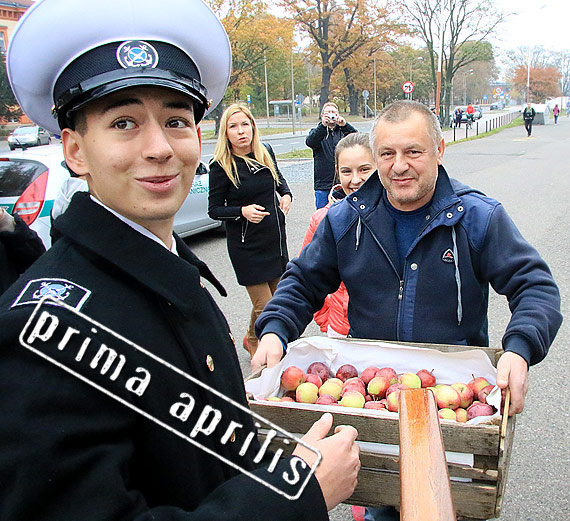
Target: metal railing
[(477, 126)]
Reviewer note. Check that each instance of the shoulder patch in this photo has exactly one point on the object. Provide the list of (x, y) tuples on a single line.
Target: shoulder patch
[(448, 256), (60, 289)]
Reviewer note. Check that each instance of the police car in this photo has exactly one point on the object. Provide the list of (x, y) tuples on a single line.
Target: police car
[(31, 179)]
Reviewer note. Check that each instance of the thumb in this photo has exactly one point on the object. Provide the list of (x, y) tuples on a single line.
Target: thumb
[(319, 429), (503, 372)]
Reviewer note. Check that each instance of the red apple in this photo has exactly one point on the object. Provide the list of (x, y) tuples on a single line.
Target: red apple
[(394, 387), (353, 399), (388, 373), (320, 369), (447, 414), (477, 384), (411, 380), (479, 409), (483, 393), (346, 371), (374, 405), (292, 377), (368, 374), (392, 400), (378, 386), (307, 393), (354, 384), (368, 398), (426, 377), (465, 393), (314, 379), (447, 397), (461, 415), (326, 399)]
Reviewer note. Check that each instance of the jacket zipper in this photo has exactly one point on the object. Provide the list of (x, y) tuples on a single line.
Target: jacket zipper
[(244, 229)]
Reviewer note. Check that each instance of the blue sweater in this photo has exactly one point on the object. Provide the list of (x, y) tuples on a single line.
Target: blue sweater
[(440, 294)]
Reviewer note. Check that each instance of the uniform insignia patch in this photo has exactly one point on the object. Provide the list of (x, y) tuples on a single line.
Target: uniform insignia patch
[(137, 53), (448, 256), (69, 292)]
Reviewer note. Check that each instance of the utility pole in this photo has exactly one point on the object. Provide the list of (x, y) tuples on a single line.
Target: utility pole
[(375, 86), (266, 88), (292, 94)]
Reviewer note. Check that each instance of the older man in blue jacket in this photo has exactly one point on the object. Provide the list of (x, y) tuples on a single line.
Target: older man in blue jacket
[(417, 252)]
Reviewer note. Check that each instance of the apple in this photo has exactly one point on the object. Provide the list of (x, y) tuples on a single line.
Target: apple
[(384, 402), (378, 386), (461, 415), (392, 400), (411, 380), (368, 374), (287, 399), (426, 377), (290, 394), (483, 393), (320, 369), (307, 393), (477, 384), (465, 393), (354, 384), (274, 399), (479, 409), (447, 414), (292, 377), (374, 405), (314, 379), (332, 387), (394, 387), (335, 380), (388, 373), (353, 399), (346, 371), (368, 398), (326, 399), (447, 397)]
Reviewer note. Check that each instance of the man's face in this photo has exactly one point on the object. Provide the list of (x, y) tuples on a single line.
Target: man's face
[(330, 114), (407, 162), (138, 154)]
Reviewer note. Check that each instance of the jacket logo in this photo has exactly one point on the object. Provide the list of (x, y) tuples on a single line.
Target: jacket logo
[(448, 256)]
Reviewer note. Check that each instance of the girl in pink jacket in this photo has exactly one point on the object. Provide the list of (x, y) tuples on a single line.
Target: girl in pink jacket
[(353, 166)]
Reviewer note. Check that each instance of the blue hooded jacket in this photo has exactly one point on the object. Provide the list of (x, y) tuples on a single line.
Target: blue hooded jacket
[(439, 293)]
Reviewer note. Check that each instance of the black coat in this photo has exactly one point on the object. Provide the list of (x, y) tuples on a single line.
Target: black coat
[(70, 452), (323, 141), (258, 252), (18, 251)]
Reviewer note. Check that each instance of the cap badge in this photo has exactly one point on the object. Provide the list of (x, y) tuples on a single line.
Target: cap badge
[(136, 53)]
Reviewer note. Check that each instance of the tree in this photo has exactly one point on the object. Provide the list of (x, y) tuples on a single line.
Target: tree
[(338, 30), (459, 27), (9, 107), (544, 82)]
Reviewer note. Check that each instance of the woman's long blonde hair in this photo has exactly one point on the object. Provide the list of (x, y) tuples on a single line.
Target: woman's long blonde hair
[(223, 153)]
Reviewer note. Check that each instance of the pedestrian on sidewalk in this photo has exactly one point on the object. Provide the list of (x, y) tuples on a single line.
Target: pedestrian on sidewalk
[(556, 112), (458, 115), (528, 116), (323, 140), (249, 193)]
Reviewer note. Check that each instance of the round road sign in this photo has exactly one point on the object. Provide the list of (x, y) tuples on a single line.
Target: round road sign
[(408, 87)]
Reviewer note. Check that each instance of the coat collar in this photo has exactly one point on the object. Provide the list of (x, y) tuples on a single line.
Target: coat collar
[(101, 233)]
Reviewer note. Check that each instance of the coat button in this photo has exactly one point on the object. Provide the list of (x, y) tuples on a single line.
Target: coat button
[(232, 339), (449, 215), (428, 217), (355, 198), (414, 266), (210, 363), (362, 207), (233, 437), (202, 285), (460, 208)]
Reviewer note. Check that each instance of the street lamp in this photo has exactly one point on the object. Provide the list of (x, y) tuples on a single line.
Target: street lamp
[(266, 88), (292, 94), (465, 73)]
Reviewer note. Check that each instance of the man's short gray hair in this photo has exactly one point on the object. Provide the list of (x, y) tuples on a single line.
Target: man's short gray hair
[(399, 111)]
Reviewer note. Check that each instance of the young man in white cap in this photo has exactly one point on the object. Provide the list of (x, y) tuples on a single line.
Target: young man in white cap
[(128, 84)]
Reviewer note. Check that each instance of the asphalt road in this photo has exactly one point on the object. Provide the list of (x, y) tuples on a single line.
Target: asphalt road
[(531, 177)]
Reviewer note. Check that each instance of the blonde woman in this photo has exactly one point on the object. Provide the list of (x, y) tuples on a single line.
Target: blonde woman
[(248, 192)]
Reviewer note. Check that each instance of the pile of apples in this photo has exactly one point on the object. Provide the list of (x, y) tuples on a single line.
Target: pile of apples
[(379, 388)]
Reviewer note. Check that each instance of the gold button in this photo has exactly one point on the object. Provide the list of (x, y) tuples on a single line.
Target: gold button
[(233, 437), (233, 339), (202, 285), (210, 363)]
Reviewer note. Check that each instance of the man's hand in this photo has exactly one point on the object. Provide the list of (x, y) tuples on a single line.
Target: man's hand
[(254, 213), (512, 372), (340, 121), (285, 203), (269, 352), (337, 472), (7, 223)]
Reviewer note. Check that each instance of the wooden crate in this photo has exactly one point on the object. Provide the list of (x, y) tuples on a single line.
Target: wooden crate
[(379, 483)]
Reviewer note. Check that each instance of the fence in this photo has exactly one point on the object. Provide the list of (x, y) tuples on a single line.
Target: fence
[(477, 127)]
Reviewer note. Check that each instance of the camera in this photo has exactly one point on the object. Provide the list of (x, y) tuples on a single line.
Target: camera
[(332, 117)]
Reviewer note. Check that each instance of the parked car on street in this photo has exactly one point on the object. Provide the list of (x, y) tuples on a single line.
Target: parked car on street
[(31, 179), (478, 114), (28, 136)]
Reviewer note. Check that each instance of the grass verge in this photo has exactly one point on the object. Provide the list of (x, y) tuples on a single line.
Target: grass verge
[(304, 153)]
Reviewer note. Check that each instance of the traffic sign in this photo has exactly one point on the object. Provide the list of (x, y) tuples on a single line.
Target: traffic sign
[(408, 87), (365, 94), (498, 91), (485, 97), (249, 98)]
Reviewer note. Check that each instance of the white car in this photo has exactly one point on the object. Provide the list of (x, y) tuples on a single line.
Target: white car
[(30, 180), (28, 136)]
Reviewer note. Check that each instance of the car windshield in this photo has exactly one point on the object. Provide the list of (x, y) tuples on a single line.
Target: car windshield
[(22, 131), (17, 174)]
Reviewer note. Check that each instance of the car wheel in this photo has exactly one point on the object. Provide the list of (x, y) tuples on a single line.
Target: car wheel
[(12, 147), (38, 142)]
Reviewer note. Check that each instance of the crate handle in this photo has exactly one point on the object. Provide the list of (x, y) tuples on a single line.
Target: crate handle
[(506, 413)]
